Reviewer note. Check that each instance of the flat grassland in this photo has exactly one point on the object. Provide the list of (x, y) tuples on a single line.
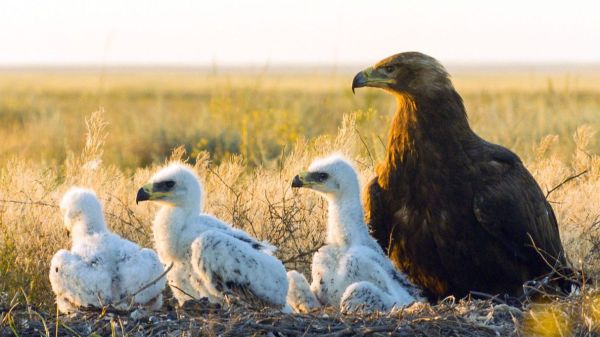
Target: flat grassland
[(247, 134)]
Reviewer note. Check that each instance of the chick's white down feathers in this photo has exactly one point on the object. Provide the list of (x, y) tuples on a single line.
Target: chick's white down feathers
[(300, 297), (351, 271), (101, 268), (210, 258)]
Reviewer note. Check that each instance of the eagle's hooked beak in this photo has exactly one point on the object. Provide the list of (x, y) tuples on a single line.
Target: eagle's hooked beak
[(301, 180), (371, 77), (297, 182), (359, 81), (144, 193)]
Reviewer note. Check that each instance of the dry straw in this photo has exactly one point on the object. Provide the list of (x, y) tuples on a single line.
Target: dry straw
[(261, 201)]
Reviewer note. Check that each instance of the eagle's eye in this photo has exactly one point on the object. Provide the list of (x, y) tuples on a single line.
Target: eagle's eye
[(322, 176), (388, 69)]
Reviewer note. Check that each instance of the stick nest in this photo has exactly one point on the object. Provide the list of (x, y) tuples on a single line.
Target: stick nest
[(200, 318)]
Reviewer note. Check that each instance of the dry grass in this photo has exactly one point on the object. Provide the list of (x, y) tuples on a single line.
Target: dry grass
[(259, 115), (260, 201), (554, 131)]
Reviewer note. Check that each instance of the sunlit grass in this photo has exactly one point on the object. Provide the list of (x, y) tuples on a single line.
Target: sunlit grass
[(259, 115), (247, 136)]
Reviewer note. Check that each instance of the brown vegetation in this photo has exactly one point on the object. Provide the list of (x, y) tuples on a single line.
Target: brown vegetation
[(252, 189)]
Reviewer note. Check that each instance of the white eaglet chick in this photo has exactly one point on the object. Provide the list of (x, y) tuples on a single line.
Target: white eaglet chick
[(101, 268), (210, 258), (351, 271)]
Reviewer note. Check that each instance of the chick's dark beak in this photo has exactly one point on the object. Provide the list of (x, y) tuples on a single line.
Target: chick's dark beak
[(359, 81), (297, 182), (142, 195)]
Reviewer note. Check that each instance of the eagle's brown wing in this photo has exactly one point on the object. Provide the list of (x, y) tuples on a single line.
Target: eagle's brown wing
[(510, 206)]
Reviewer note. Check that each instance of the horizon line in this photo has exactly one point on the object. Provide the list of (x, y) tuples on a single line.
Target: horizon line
[(294, 66)]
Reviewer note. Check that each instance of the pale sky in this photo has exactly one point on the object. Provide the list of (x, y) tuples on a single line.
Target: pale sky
[(279, 32)]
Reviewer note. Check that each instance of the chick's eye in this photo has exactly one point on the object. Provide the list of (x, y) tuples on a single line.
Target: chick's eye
[(323, 176), (169, 183)]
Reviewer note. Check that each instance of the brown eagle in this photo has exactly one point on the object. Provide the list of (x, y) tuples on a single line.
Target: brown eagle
[(456, 213)]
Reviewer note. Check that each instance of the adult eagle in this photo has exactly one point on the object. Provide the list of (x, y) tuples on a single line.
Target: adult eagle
[(456, 213)]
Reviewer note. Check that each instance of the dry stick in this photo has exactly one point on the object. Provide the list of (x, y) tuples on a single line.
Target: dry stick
[(223, 182), (390, 239), (309, 325), (235, 193), (41, 203), (592, 226), (69, 329), (56, 327), (553, 267), (20, 202), (290, 233), (153, 282), (301, 255), (131, 216), (275, 329), (183, 291), (565, 181), (493, 298), (541, 252), (366, 147)]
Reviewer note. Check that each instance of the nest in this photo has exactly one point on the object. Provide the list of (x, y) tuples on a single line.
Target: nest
[(200, 318)]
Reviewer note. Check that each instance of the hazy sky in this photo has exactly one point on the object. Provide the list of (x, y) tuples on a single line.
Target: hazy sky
[(273, 32)]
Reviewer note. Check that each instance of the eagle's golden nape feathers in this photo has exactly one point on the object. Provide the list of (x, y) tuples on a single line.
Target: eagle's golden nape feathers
[(439, 205)]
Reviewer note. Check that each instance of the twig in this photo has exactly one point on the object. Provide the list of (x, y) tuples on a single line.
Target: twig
[(301, 255), (565, 181), (493, 298), (366, 147), (183, 291), (229, 187), (20, 202), (153, 282)]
